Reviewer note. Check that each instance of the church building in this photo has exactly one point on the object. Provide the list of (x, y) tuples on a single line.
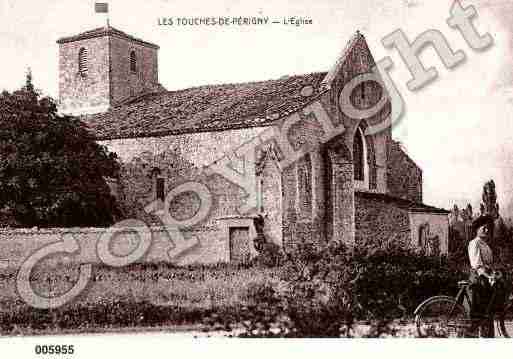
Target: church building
[(216, 159)]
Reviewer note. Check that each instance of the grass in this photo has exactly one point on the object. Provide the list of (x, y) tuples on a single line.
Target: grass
[(164, 296), (147, 295)]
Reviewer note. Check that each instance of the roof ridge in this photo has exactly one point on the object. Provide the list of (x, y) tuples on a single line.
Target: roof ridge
[(142, 96), (103, 31), (328, 80), (206, 108), (284, 77), (400, 200)]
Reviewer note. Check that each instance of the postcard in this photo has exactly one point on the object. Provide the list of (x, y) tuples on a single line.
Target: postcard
[(191, 170)]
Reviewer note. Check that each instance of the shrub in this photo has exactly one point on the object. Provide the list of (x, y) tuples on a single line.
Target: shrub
[(270, 255), (317, 303), (260, 292), (332, 286)]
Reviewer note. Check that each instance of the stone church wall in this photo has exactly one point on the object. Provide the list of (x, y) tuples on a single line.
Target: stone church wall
[(294, 198), (404, 179), (365, 95), (377, 221), (84, 92), (271, 182), (180, 159), (304, 184), (125, 83), (340, 178)]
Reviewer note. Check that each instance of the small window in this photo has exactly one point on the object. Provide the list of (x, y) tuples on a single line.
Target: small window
[(160, 189), (133, 62), (82, 62)]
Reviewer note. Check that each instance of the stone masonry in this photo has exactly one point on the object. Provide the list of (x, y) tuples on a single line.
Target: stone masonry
[(109, 79), (165, 139), (404, 178)]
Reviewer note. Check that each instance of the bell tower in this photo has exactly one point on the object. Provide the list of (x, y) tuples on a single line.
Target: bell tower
[(103, 67)]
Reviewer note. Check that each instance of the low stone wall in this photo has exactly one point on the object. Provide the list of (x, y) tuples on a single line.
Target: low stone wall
[(200, 245)]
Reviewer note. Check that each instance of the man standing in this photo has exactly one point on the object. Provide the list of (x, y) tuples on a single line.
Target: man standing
[(481, 275)]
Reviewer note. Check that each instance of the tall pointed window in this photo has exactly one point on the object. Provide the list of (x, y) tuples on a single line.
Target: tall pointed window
[(82, 62), (160, 188), (359, 156), (133, 62)]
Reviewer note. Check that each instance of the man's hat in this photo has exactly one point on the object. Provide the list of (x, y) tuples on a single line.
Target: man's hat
[(482, 221)]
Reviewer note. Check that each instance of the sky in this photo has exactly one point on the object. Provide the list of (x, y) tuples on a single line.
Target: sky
[(458, 128)]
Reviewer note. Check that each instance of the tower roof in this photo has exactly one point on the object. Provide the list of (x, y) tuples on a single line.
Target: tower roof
[(104, 31)]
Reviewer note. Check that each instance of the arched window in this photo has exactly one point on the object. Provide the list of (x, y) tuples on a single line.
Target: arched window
[(82, 61), (133, 61), (359, 156), (160, 188)]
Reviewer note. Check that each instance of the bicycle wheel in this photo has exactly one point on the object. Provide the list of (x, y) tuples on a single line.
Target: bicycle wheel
[(504, 322), (441, 316)]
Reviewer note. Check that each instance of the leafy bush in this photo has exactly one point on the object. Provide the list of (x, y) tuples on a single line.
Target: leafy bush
[(270, 255), (392, 280), (260, 292), (118, 314), (331, 287), (317, 302)]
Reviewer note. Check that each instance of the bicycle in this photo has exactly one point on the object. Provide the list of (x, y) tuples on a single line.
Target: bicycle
[(442, 316)]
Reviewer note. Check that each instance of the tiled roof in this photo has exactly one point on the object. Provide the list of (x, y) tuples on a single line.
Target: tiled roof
[(215, 107), (207, 108), (401, 203), (104, 31)]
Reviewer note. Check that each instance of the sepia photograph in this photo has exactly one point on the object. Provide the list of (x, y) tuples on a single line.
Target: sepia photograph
[(190, 170)]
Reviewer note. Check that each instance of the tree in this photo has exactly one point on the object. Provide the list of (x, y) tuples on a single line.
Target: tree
[(501, 242), (454, 216), (490, 205), (470, 215), (52, 172)]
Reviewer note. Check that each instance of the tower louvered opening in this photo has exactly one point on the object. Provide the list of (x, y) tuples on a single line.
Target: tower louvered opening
[(133, 62), (82, 61)]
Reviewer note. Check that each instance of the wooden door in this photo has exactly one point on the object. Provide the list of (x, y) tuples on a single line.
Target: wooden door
[(240, 244)]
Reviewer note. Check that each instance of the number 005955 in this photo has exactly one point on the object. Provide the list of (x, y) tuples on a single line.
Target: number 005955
[(54, 349)]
